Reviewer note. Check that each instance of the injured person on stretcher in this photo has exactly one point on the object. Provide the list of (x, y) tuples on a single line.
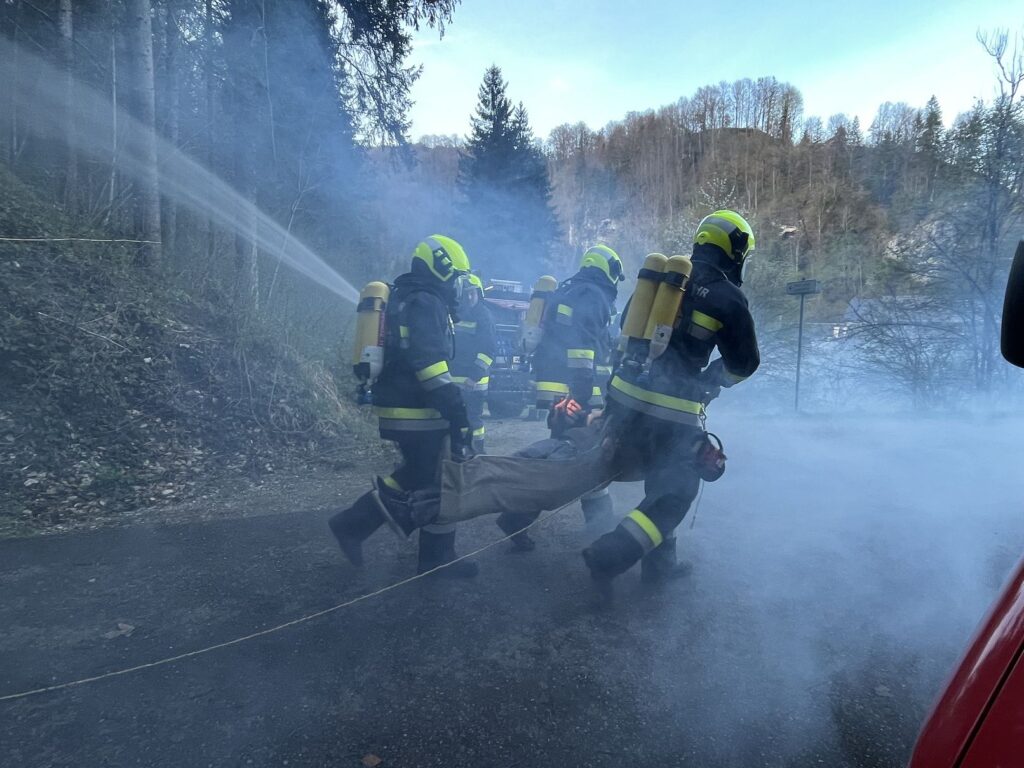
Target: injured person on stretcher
[(617, 445)]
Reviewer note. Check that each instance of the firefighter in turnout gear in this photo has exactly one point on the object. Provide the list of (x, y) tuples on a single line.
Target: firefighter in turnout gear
[(573, 346), (418, 404), (474, 353), (655, 411)]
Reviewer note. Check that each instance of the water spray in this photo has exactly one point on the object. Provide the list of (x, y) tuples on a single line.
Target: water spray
[(41, 89)]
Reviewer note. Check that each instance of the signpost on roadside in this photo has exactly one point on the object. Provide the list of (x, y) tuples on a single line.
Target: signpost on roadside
[(803, 289)]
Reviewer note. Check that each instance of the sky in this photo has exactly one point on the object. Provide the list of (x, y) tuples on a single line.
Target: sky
[(596, 60)]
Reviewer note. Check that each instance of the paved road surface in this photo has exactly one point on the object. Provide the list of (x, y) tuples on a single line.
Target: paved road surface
[(837, 571)]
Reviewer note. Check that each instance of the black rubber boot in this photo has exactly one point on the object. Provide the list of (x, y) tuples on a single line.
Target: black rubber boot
[(659, 565), (436, 549), (352, 526), (612, 554), (597, 508), (513, 524), (478, 447)]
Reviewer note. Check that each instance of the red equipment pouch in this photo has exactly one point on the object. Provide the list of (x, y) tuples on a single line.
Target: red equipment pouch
[(709, 457)]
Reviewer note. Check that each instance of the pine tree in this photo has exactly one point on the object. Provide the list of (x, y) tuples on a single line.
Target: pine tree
[(931, 150), (506, 221)]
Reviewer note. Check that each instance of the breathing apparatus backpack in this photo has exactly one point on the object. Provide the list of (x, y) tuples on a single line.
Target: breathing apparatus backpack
[(532, 331), (368, 343), (653, 311)]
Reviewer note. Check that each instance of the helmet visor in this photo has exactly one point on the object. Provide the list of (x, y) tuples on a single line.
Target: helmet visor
[(745, 267), (462, 286)]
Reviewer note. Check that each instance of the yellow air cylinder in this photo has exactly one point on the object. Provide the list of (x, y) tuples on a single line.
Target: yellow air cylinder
[(665, 309), (532, 331), (368, 346), (640, 303)]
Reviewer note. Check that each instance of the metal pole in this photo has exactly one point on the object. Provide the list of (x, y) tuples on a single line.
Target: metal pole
[(799, 352)]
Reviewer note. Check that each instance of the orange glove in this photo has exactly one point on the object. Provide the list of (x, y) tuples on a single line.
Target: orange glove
[(565, 414)]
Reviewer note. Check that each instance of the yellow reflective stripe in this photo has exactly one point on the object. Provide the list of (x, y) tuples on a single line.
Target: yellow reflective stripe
[(484, 381), (406, 413), (647, 526), (604, 370), (403, 331), (460, 379), (468, 324), (432, 370), (391, 483), (596, 391), (706, 321), (479, 432), (580, 354), (552, 386), (656, 398), (565, 309), (485, 359)]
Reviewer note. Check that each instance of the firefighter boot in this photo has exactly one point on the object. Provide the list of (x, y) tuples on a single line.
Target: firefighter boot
[(597, 507), (659, 565), (437, 549), (352, 526), (612, 554), (514, 524)]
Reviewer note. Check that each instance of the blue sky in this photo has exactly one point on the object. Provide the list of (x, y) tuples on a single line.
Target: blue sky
[(596, 60)]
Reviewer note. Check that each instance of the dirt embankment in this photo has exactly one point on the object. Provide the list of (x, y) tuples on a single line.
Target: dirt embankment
[(123, 393)]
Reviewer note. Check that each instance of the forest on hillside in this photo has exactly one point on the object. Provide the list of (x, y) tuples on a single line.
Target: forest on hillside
[(192, 190), (909, 222)]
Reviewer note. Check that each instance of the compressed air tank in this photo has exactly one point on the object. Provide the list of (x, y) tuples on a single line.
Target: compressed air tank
[(640, 303), (532, 331), (368, 345), (665, 308)]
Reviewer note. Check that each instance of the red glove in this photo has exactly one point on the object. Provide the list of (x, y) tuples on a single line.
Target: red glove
[(566, 414)]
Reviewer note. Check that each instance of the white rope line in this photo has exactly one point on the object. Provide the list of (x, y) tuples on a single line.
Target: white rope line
[(74, 240), (285, 625)]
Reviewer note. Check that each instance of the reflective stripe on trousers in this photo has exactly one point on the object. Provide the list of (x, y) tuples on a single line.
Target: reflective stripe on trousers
[(482, 385), (642, 529)]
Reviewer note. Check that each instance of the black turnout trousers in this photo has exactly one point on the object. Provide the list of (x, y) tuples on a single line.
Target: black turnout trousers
[(662, 453)]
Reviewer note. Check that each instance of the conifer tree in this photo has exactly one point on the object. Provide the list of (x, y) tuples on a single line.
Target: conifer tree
[(506, 220)]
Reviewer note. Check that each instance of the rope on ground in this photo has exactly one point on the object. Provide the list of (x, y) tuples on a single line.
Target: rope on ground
[(285, 625), (75, 240)]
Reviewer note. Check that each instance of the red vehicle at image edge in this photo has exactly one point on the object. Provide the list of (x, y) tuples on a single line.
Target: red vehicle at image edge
[(978, 721)]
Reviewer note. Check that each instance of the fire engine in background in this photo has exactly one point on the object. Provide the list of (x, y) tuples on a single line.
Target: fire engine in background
[(511, 388)]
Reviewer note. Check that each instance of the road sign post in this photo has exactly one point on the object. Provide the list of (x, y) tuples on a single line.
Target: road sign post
[(803, 289)]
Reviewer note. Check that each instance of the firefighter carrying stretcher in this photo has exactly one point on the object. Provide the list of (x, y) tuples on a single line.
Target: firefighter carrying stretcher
[(418, 405), (662, 384)]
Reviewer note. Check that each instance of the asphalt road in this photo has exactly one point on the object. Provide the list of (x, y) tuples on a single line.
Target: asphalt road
[(837, 571)]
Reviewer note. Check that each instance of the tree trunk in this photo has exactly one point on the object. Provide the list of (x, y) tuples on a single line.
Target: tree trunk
[(208, 77), (172, 46), (148, 184), (114, 122), (11, 11), (67, 59)]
